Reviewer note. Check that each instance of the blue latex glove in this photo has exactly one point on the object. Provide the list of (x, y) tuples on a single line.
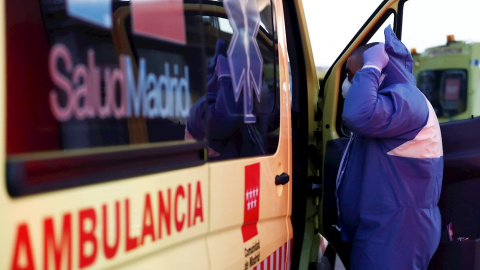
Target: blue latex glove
[(220, 49), (222, 68), (376, 57), (212, 70)]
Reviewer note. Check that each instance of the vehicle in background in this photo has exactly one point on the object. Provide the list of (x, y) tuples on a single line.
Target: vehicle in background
[(449, 76), (321, 71)]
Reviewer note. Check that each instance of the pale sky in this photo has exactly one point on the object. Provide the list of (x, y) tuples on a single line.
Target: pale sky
[(331, 24)]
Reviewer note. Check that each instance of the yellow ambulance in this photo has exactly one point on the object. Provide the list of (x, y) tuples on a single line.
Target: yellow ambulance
[(179, 134)]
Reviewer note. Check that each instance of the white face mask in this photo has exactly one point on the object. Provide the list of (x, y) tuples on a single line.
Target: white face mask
[(345, 87)]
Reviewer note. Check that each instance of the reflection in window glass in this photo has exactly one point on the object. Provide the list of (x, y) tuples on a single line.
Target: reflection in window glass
[(101, 82), (446, 52), (241, 101), (90, 82), (225, 25)]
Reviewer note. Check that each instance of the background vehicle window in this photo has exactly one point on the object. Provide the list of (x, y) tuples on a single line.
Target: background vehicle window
[(446, 56), (446, 90)]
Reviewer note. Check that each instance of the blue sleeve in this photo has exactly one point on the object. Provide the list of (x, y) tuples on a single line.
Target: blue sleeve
[(216, 115), (224, 116), (398, 110)]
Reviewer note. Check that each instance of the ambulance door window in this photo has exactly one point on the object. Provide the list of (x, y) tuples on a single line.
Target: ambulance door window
[(241, 101), (379, 35), (446, 56)]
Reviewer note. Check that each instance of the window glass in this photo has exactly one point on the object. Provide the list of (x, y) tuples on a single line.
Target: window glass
[(446, 90), (83, 75), (446, 53), (241, 100), (379, 35), (332, 24), (101, 74)]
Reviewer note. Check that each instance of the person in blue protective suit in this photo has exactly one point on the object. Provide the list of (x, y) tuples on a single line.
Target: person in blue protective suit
[(219, 118), (390, 176)]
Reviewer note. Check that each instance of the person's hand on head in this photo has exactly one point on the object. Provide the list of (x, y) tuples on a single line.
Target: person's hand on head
[(222, 68), (376, 57), (213, 71), (220, 50)]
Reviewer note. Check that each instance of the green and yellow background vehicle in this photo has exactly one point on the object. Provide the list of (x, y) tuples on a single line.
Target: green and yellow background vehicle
[(449, 75)]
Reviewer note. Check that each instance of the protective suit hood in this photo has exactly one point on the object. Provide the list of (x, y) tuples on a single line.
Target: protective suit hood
[(400, 65)]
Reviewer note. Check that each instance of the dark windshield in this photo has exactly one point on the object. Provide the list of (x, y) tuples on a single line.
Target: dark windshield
[(446, 90)]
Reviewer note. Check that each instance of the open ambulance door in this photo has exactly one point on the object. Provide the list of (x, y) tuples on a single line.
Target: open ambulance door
[(334, 136), (459, 200)]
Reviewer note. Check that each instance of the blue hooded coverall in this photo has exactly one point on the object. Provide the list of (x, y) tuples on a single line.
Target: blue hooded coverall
[(390, 178)]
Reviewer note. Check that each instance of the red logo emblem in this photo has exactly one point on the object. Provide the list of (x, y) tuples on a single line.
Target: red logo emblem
[(252, 201), (160, 19)]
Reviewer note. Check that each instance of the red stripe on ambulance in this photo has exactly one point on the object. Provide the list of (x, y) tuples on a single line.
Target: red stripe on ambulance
[(182, 206), (280, 259)]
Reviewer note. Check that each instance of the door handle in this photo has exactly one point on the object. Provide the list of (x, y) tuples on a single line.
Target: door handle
[(282, 179)]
